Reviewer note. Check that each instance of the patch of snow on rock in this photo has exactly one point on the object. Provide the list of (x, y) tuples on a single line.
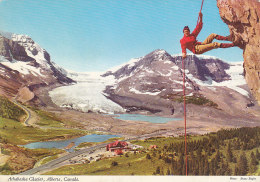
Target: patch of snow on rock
[(146, 93), (32, 49), (237, 79), (23, 68), (130, 64)]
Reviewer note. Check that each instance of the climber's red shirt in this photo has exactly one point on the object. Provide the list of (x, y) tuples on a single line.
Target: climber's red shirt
[(190, 41)]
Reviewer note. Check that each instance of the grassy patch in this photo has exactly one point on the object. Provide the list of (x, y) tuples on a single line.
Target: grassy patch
[(207, 155), (89, 144), (22, 159), (196, 99), (134, 164), (48, 119), (23, 135), (9, 110), (159, 141), (47, 159)]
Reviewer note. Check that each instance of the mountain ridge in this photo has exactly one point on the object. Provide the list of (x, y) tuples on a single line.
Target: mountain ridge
[(26, 66), (159, 75)]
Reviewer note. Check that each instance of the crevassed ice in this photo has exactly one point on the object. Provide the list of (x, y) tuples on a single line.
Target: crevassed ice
[(86, 95)]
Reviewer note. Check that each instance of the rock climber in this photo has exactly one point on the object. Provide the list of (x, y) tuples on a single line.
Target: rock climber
[(189, 40)]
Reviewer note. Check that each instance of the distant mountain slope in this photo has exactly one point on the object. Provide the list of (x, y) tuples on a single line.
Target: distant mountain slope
[(154, 83), (25, 66)]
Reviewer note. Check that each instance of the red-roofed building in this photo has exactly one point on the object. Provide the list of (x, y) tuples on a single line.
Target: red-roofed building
[(153, 147), (117, 146)]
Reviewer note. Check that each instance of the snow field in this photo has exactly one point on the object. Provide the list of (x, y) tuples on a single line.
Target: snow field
[(86, 95)]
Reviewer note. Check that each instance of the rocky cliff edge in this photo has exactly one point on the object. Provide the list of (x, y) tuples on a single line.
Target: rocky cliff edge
[(242, 18)]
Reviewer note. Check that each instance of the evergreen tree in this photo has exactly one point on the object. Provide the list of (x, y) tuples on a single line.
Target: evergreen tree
[(236, 144), (181, 161), (206, 167), (154, 154), (183, 170), (168, 172), (243, 164), (158, 170), (161, 171), (228, 171), (217, 157), (196, 168), (201, 168), (236, 172), (234, 159), (257, 155), (229, 153), (253, 163), (212, 168), (148, 156)]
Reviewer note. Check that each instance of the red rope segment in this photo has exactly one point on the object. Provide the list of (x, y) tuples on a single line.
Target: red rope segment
[(201, 5), (184, 104), (184, 108), (200, 10)]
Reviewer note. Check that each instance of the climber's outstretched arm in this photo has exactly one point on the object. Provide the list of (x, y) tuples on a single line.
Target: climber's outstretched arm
[(198, 28)]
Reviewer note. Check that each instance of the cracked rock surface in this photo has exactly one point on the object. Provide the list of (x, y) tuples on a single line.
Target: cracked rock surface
[(242, 18)]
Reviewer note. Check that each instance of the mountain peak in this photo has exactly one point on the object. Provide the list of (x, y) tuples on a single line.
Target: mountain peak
[(7, 35), (24, 62), (159, 51)]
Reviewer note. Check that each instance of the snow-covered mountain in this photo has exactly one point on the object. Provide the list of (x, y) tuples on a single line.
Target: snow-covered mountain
[(153, 83), (25, 64)]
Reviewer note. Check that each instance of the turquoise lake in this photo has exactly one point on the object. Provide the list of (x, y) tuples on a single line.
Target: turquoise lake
[(99, 138), (63, 143), (140, 117)]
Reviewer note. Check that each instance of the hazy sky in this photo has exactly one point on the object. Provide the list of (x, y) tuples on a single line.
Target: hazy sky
[(94, 35)]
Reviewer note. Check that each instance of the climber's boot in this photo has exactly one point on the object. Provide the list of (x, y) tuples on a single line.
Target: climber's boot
[(225, 45)]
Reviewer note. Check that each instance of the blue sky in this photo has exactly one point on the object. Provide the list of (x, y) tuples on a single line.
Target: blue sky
[(94, 35)]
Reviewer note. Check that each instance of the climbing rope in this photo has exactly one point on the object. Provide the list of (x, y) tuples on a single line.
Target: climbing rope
[(184, 105), (200, 10), (184, 110)]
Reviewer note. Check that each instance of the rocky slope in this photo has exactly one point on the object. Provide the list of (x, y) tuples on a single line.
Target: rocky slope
[(153, 83), (25, 66), (242, 18)]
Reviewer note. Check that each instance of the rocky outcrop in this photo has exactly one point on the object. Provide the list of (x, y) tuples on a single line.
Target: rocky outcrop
[(242, 18), (209, 67), (154, 83), (12, 50), (25, 95), (25, 67)]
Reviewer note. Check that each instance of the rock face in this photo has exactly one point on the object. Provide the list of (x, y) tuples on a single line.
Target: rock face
[(242, 18), (25, 67), (24, 94), (154, 83)]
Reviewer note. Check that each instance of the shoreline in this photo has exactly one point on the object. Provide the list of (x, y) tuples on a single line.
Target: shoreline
[(200, 119)]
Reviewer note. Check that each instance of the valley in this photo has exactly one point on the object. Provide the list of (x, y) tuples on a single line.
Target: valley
[(44, 104)]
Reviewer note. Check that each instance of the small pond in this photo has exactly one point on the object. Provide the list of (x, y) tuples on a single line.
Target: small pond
[(64, 143), (140, 117)]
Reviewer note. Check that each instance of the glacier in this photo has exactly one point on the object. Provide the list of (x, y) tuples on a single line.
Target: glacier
[(87, 94)]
